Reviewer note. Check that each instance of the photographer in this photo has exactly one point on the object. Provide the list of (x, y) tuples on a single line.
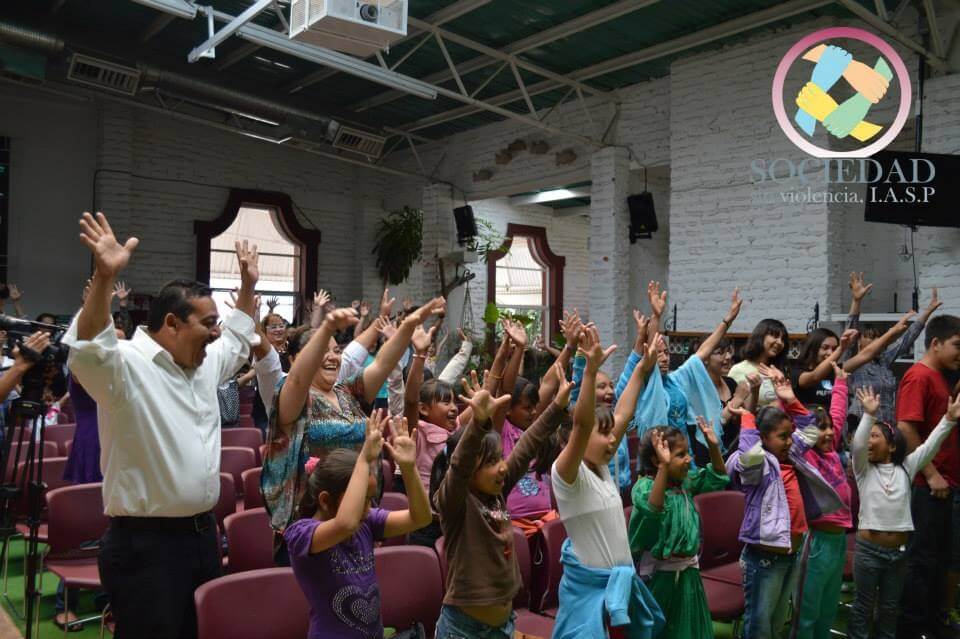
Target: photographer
[(23, 360)]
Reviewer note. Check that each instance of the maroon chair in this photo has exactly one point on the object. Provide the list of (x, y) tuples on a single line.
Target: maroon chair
[(442, 556), (386, 468), (527, 622), (725, 602), (252, 605), (627, 512), (67, 448), (18, 453), (401, 603), (236, 460), (60, 435), (547, 600), (76, 520), (227, 503), (246, 421), (252, 496), (395, 501), (721, 514), (250, 438), (249, 540)]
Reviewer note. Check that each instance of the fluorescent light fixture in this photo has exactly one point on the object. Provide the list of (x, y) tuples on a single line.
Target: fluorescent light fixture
[(339, 61), (272, 63), (553, 195), (264, 138), (255, 118), (179, 8)]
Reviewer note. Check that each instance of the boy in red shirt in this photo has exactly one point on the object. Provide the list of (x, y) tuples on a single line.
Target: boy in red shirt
[(934, 548)]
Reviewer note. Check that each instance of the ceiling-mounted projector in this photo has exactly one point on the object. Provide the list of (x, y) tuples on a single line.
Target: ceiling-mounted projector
[(357, 27)]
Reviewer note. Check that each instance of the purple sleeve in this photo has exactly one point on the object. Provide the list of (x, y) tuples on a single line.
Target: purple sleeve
[(298, 536), (377, 521)]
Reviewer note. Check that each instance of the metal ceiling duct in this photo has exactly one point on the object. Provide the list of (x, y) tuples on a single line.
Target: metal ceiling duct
[(48, 43), (30, 38)]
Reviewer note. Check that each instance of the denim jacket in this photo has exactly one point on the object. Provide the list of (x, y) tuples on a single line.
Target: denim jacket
[(756, 473)]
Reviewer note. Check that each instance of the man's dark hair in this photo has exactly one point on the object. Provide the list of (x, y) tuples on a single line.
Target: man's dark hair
[(174, 297), (941, 327), (51, 316)]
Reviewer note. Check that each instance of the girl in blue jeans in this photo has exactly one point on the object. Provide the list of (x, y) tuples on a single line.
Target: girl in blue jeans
[(769, 468), (884, 474)]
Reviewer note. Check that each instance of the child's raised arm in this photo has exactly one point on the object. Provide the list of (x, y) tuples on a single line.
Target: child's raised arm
[(411, 395), (404, 451), (354, 501), (519, 461), (870, 402), (584, 417), (627, 402), (662, 449)]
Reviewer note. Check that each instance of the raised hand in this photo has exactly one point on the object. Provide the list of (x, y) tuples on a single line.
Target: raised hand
[(649, 359), (592, 350), (736, 302), (848, 337), (422, 339), (707, 429), (121, 292), (858, 288), (272, 303), (571, 326), (364, 309), (516, 332), (320, 299), (109, 256), (463, 335), (866, 81), (339, 319), (386, 303), (641, 321), (838, 372), (658, 298), (869, 400), (436, 306), (781, 385), (373, 444), (472, 387), (484, 405), (401, 446), (754, 381), (661, 447), (562, 398), (248, 259), (904, 322), (407, 304), (16, 294), (934, 304), (386, 328)]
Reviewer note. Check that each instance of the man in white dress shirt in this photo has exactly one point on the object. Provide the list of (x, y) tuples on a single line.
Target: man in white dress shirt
[(159, 425)]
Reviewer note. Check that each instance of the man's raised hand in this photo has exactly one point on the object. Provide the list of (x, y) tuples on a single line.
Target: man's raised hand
[(109, 256)]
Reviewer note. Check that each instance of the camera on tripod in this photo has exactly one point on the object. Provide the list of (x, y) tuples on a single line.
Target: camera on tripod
[(46, 364)]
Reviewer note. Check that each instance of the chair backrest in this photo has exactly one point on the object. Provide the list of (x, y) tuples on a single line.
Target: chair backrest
[(442, 558), (249, 540), (50, 449), (60, 435), (521, 550), (252, 496), (227, 503), (67, 448), (52, 475), (554, 534), (386, 468), (402, 605), (75, 515), (246, 421), (391, 502), (721, 514), (250, 438), (252, 605), (235, 460)]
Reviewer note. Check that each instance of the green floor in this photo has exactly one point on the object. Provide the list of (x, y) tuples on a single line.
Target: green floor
[(13, 602), (14, 607)]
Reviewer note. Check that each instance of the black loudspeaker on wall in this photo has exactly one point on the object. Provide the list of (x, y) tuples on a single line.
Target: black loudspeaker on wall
[(466, 224), (643, 218)]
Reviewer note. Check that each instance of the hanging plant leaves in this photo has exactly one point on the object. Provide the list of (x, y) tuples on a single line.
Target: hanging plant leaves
[(491, 314), (399, 244)]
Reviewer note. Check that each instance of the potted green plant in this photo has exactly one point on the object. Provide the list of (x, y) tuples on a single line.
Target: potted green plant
[(399, 244)]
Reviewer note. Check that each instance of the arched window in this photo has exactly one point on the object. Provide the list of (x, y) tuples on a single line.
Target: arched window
[(288, 252), (526, 278)]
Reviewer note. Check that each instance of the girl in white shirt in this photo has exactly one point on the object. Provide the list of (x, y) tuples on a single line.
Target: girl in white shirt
[(884, 474)]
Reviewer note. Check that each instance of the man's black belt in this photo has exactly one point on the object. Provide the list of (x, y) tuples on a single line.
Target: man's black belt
[(195, 523)]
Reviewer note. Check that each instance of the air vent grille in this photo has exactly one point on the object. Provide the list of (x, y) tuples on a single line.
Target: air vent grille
[(103, 74), (358, 141)]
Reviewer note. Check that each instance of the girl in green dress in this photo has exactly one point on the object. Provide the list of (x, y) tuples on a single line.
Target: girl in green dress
[(665, 526)]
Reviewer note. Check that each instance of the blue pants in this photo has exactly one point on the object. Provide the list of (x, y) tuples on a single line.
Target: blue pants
[(769, 580), (879, 573), (455, 624)]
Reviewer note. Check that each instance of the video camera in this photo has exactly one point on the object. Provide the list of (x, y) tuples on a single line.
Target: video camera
[(47, 365)]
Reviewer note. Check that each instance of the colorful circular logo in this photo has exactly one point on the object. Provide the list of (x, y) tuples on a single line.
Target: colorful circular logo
[(814, 107)]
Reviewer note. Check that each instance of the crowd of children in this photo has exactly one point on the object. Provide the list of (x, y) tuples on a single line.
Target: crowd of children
[(499, 451)]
